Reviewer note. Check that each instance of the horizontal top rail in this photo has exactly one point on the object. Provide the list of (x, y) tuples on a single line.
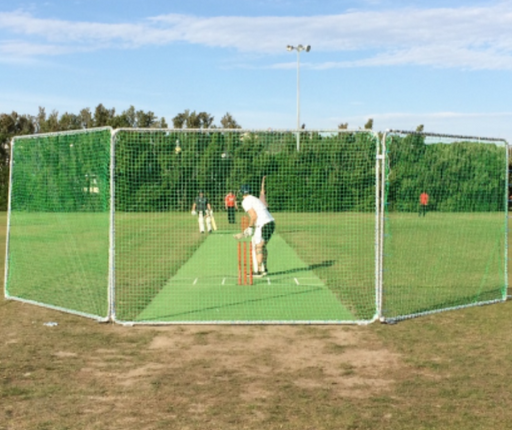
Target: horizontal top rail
[(454, 136)]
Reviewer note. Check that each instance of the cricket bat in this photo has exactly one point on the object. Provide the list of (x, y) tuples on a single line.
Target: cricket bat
[(214, 224)]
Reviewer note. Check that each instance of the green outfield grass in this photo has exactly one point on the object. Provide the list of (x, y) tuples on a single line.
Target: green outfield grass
[(341, 249), (320, 270), (444, 371), (322, 266), (150, 249), (443, 260), (61, 260)]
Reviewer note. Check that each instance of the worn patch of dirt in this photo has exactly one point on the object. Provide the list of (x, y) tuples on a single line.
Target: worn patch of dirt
[(346, 359), (80, 374)]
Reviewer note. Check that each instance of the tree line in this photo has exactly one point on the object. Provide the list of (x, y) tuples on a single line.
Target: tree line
[(461, 176), (163, 170), (14, 124), (330, 173)]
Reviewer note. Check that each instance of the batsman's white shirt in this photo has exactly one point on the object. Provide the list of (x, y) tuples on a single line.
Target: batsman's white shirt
[(264, 216)]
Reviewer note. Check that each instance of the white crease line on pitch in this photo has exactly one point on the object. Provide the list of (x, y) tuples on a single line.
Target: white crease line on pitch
[(195, 281), (223, 281), (296, 281)]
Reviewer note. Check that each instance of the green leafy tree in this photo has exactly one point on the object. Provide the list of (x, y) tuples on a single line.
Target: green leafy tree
[(145, 119), (47, 124), (180, 120), (11, 125), (227, 121), (205, 120), (193, 119), (103, 116), (369, 124), (69, 121), (86, 120)]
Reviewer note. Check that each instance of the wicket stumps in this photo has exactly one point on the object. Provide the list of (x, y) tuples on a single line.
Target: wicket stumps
[(244, 262)]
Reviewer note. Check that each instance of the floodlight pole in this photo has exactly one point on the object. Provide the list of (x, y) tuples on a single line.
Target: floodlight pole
[(298, 48)]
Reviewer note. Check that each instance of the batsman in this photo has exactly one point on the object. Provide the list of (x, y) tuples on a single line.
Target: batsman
[(202, 208), (261, 227)]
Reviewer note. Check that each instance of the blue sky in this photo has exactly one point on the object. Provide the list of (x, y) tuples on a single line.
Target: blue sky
[(445, 64)]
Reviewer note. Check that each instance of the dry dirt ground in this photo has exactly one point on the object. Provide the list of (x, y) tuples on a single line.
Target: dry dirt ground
[(80, 374), (445, 371)]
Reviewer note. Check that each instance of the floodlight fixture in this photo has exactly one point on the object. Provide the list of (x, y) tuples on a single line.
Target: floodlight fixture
[(298, 48)]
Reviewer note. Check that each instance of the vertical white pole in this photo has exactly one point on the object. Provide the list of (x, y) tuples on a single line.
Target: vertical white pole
[(8, 233), (382, 222), (298, 100), (378, 162), (112, 234), (507, 184)]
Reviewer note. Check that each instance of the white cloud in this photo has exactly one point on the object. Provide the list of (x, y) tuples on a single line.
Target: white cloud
[(33, 49), (442, 57), (467, 37)]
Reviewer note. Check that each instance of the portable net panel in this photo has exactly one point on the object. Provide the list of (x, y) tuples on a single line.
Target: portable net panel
[(100, 224), (445, 225), (321, 258), (58, 222)]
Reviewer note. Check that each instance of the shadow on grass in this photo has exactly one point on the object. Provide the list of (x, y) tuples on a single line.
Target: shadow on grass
[(328, 263), (229, 305)]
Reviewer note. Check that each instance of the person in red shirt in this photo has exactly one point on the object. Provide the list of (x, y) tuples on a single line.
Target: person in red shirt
[(423, 203), (231, 206)]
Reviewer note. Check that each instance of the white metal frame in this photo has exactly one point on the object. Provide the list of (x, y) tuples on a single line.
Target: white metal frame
[(6, 269), (380, 220), (393, 320), (378, 161)]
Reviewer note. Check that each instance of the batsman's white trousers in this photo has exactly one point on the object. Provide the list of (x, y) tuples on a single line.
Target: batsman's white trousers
[(201, 219)]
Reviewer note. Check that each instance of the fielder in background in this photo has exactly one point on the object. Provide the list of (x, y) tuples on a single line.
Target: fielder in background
[(261, 227), (202, 208), (423, 204), (231, 206)]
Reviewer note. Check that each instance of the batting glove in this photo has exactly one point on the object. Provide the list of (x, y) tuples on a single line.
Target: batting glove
[(248, 231), (194, 213)]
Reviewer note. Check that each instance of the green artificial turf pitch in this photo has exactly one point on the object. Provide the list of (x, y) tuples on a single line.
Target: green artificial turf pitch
[(291, 291)]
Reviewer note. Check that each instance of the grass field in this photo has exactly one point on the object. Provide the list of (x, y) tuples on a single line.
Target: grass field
[(61, 259), (322, 266), (443, 371), (442, 260)]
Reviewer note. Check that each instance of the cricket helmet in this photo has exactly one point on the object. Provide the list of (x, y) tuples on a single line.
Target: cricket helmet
[(245, 189)]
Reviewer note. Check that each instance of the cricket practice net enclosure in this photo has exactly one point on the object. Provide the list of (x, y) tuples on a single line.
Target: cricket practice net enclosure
[(101, 224)]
